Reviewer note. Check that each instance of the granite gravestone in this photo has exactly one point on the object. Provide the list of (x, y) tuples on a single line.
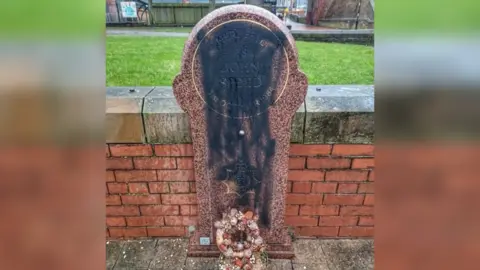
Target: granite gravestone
[(240, 85)]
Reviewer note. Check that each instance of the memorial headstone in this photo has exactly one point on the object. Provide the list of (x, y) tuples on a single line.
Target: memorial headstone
[(240, 85)]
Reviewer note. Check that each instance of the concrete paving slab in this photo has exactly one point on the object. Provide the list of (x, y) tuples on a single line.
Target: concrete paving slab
[(113, 249), (136, 254), (348, 254), (201, 264), (297, 266), (309, 252), (279, 265), (169, 254)]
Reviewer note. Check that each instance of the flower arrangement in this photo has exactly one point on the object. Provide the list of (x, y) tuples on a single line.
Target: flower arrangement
[(238, 239)]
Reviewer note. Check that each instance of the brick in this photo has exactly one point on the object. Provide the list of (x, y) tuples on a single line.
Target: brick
[(318, 231), (180, 220), (347, 175), (107, 234), (356, 231), (304, 199), (136, 176), (289, 186), (363, 163), (145, 221), (369, 199), (347, 188), (371, 176), (116, 222), (302, 187), (140, 199), (343, 199), (356, 211), (130, 150), (122, 211), (184, 163), (301, 221), (310, 150), (159, 210), (145, 163), (107, 151), (113, 200), (366, 221), (324, 187), (119, 163), (185, 210), (138, 188), (306, 175), (291, 210), (193, 187), (352, 150), (179, 199), (158, 187), (180, 187), (127, 232), (166, 231), (319, 210), (109, 177), (118, 188), (188, 210), (175, 175), (366, 188), (328, 163), (337, 221), (295, 163), (174, 150)]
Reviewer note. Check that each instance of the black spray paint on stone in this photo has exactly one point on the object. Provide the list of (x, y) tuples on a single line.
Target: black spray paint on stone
[(241, 63)]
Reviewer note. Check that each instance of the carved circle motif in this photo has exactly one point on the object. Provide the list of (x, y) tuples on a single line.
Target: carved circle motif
[(240, 68)]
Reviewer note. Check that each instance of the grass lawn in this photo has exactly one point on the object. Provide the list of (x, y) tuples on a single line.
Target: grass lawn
[(148, 61), (174, 29)]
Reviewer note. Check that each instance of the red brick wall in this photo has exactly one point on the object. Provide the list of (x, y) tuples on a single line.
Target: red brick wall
[(151, 190)]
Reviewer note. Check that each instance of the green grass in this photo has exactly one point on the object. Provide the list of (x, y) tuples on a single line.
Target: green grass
[(174, 29), (148, 61), (155, 29)]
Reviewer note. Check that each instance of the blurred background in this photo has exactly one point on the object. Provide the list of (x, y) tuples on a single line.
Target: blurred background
[(342, 14)]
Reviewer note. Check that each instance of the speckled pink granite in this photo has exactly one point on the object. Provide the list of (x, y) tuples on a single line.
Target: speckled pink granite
[(212, 197)]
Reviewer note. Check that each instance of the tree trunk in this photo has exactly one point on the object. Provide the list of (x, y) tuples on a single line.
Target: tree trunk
[(151, 21), (211, 6)]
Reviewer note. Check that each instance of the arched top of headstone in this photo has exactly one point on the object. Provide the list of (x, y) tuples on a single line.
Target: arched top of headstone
[(240, 61)]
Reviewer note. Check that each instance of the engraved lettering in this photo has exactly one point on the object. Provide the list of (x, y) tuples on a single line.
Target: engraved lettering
[(239, 68), (242, 72), (257, 82), (225, 38)]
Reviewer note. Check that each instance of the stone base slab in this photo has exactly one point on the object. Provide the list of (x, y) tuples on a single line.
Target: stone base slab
[(212, 251)]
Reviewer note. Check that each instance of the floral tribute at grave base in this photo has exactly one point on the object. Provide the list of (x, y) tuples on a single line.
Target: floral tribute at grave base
[(239, 241)]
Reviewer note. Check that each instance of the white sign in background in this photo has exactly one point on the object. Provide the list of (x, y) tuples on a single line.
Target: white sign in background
[(129, 9)]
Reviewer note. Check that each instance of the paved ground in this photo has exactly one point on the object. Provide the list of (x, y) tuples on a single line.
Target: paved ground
[(143, 33), (170, 254), (156, 32), (303, 27)]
